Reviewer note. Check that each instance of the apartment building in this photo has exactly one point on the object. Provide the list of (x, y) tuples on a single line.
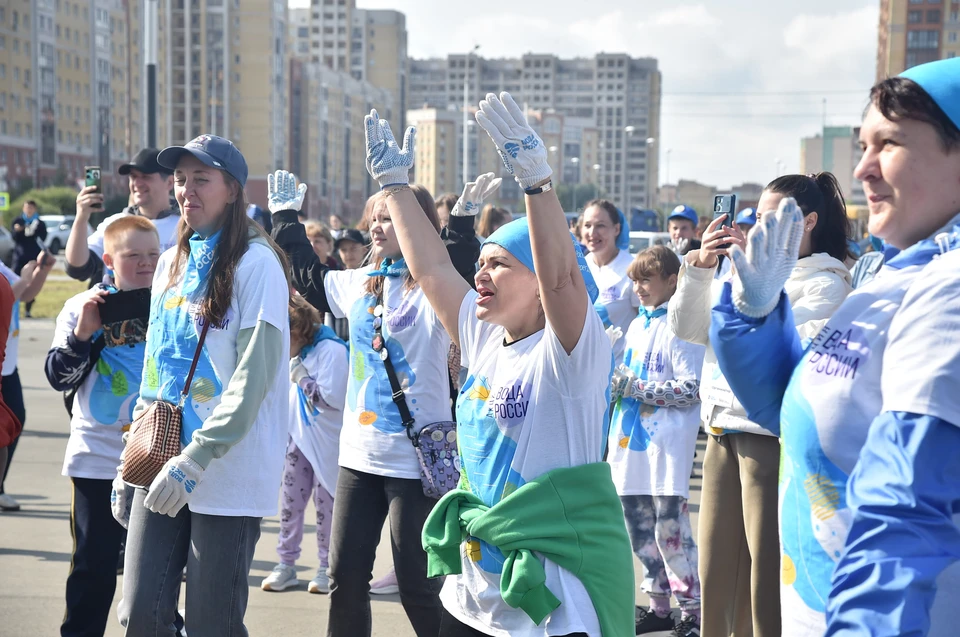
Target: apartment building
[(611, 101), (378, 53), (837, 150), (69, 89), (913, 32), (222, 70)]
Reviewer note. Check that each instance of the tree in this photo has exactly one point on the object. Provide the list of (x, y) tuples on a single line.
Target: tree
[(56, 200), (574, 196)]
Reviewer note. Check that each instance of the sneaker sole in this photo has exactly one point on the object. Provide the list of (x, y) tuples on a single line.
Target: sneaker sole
[(276, 588), (386, 590), (10, 509), (316, 590)]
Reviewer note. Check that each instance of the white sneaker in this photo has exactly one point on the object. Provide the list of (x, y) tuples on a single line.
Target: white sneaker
[(282, 578), (386, 585), (8, 504), (320, 582)]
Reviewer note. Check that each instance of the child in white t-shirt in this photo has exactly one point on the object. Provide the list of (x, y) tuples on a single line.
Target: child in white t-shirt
[(653, 437), (106, 375), (318, 376)]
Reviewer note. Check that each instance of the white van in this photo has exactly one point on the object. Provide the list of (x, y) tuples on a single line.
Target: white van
[(643, 240)]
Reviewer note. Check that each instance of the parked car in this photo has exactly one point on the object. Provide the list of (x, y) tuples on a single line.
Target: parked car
[(643, 240), (6, 246), (58, 230)]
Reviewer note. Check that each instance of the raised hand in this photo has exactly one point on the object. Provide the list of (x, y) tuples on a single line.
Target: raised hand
[(387, 162), (772, 251), (718, 239), (474, 194), (283, 193), (520, 148)]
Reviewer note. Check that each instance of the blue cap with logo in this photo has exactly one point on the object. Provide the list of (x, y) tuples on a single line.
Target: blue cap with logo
[(941, 81), (747, 216), (213, 151), (685, 212)]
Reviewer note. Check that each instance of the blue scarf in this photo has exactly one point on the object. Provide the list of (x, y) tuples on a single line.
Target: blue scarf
[(924, 251), (307, 408), (623, 239), (202, 252), (389, 267), (514, 237), (650, 315)]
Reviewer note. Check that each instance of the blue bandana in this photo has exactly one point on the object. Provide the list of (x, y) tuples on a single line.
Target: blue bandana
[(623, 239), (307, 408), (389, 267), (514, 237), (941, 81), (202, 252), (944, 240), (650, 315)]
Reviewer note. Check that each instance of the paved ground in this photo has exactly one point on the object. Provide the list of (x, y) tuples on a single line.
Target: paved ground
[(35, 543)]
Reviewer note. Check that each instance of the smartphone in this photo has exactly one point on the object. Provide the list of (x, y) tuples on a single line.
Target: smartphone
[(92, 178), (725, 205), (125, 316), (47, 258)]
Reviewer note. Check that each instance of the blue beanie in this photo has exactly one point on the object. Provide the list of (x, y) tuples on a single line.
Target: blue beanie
[(941, 81), (514, 237)]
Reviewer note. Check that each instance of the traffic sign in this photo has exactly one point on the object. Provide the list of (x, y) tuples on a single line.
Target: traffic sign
[(4, 201)]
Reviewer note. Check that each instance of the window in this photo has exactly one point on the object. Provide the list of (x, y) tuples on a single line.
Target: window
[(952, 37), (955, 16), (16, 45), (914, 17), (933, 16), (923, 39)]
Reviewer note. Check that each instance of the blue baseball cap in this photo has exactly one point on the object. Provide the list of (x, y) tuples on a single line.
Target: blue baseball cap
[(747, 216), (213, 151), (941, 81), (685, 212)]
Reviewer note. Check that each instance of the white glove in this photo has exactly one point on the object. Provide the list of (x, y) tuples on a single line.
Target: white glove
[(474, 194), (386, 162), (297, 370), (680, 246), (121, 499), (283, 193), (614, 333), (623, 382), (521, 149), (772, 250), (173, 486)]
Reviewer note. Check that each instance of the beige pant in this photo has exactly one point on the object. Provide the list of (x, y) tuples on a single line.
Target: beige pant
[(739, 539)]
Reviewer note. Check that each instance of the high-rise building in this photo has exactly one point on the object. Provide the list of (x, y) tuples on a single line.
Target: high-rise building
[(835, 150), (70, 91), (378, 53), (222, 71), (611, 99), (913, 32), (298, 32)]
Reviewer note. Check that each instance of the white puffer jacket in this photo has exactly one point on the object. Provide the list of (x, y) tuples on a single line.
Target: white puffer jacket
[(816, 288)]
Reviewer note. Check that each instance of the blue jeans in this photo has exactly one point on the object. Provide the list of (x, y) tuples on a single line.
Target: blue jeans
[(217, 551)]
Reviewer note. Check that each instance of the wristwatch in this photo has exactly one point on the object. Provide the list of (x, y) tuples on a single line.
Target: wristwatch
[(547, 187)]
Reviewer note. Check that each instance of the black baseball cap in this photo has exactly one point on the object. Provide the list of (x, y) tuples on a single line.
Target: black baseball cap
[(213, 151), (350, 234), (146, 162)]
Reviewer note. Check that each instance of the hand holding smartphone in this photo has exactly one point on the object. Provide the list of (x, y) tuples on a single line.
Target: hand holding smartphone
[(92, 178)]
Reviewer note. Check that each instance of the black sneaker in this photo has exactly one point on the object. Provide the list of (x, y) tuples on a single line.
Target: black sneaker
[(688, 627), (649, 622)]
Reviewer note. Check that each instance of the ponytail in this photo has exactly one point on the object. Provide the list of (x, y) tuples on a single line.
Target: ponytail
[(819, 193)]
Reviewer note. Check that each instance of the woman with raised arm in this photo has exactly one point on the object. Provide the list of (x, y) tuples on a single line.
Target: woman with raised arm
[(533, 539)]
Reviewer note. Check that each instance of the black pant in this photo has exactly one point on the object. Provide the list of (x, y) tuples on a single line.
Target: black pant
[(450, 626), (361, 504), (93, 569), (13, 396)]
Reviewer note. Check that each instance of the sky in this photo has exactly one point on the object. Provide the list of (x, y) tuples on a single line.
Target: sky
[(743, 81)]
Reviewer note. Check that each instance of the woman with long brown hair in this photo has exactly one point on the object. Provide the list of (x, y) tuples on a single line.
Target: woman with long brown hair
[(219, 295)]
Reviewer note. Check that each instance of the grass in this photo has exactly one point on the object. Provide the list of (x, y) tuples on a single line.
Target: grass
[(53, 295)]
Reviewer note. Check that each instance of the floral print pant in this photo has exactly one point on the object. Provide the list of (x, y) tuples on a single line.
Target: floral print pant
[(299, 483), (662, 539)]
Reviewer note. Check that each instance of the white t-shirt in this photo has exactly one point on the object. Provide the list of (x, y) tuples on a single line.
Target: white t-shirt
[(373, 439), (651, 448), (103, 406), (616, 298), (166, 228), (316, 430), (525, 409), (13, 336), (246, 480), (879, 352)]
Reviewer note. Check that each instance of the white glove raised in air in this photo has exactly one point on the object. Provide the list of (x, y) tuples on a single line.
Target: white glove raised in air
[(386, 162), (174, 485), (474, 194), (520, 148), (283, 193), (772, 250)]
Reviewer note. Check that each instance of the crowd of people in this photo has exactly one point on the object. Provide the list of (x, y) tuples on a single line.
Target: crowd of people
[(521, 405)]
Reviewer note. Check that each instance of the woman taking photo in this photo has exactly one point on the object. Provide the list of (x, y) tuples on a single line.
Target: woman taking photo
[(868, 412), (738, 524), (379, 472), (225, 280), (605, 232), (531, 416)]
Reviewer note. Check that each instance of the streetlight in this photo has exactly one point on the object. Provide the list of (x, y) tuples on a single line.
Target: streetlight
[(575, 161), (650, 142), (466, 117), (596, 180), (629, 130)]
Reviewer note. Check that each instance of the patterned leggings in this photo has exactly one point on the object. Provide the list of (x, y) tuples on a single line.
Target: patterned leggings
[(299, 483), (660, 533)]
